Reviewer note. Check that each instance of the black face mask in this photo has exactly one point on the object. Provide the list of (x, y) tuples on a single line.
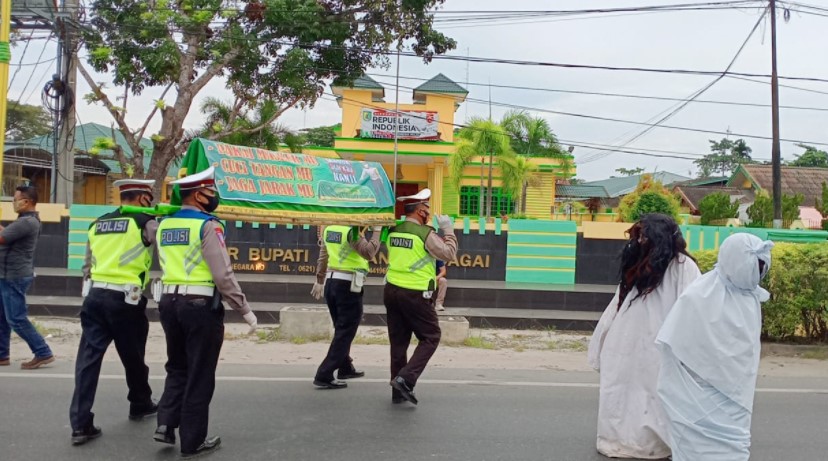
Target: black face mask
[(212, 203)]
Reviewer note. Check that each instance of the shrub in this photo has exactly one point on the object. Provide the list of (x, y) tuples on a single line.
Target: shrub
[(761, 212), (649, 196), (717, 206), (798, 283)]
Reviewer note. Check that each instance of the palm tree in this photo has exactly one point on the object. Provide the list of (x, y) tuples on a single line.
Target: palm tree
[(478, 138), (247, 127), (533, 137), (518, 174)]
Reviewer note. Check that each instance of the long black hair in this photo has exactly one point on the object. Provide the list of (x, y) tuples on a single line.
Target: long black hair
[(655, 240)]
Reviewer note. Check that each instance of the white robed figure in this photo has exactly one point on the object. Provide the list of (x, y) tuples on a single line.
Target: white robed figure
[(655, 269), (710, 355)]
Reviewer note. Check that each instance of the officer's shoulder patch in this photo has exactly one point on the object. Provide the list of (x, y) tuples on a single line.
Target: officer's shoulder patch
[(220, 235), (111, 226), (175, 237)]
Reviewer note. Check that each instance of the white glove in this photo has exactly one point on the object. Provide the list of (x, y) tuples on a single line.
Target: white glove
[(251, 320), (444, 223), (87, 284), (318, 290), (377, 228)]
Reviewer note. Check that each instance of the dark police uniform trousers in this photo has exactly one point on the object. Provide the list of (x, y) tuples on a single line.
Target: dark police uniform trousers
[(105, 317), (408, 312), (346, 312), (194, 334)]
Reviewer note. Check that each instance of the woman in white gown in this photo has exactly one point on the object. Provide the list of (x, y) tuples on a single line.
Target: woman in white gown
[(655, 269), (710, 355)]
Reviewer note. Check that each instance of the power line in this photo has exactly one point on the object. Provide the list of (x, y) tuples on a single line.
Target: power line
[(20, 64), (615, 95), (695, 95)]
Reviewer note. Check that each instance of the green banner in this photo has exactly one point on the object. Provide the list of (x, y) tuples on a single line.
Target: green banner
[(263, 185)]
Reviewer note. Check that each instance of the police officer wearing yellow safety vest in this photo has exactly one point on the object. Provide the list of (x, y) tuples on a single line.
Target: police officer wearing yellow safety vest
[(197, 275), (116, 271), (413, 248), (340, 275)]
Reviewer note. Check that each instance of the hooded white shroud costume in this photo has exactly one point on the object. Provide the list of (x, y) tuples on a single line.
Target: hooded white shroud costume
[(710, 355), (631, 422)]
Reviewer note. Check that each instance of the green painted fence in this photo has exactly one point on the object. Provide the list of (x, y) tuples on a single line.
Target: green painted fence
[(710, 237)]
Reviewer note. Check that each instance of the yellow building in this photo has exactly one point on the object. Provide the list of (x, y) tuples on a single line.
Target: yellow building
[(425, 146)]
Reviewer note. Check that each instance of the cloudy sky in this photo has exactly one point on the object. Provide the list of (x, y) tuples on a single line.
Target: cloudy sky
[(690, 40)]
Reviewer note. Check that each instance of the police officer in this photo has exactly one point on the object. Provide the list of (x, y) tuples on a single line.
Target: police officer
[(197, 275), (116, 271), (340, 274), (413, 248)]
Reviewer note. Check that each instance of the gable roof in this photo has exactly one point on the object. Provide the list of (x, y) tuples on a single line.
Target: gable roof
[(361, 83), (439, 84), (85, 136), (617, 187), (693, 195), (580, 191), (795, 180)]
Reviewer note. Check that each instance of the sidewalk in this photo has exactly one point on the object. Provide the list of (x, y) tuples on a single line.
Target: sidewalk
[(486, 349)]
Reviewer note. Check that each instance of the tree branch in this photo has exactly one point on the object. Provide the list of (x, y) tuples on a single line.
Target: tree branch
[(261, 126), (137, 152), (119, 152), (140, 134)]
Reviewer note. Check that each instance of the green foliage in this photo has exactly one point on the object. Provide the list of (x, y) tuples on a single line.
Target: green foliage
[(629, 171), (285, 52), (724, 157), (322, 136), (717, 206), (822, 205), (798, 283), (761, 212), (812, 158), (25, 122), (649, 196)]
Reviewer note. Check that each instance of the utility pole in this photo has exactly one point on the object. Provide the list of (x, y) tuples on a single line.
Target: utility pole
[(64, 181), (776, 150), (5, 58)]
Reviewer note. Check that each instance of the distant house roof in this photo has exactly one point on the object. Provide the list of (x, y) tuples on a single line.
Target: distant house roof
[(362, 83), (617, 187), (85, 136), (691, 196), (580, 192), (440, 84), (795, 180)]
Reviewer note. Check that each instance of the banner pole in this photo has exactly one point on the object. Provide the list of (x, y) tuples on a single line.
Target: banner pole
[(396, 118)]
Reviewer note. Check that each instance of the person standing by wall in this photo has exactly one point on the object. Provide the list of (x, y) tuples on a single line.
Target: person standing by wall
[(116, 272), (442, 285), (18, 241), (340, 274), (413, 248)]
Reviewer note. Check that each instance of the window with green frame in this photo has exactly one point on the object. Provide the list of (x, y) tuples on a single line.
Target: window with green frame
[(502, 202)]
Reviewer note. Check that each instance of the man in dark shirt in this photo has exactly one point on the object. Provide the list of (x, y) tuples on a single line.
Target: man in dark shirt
[(17, 247)]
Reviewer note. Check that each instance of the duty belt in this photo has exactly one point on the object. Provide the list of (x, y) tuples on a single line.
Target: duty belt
[(195, 290)]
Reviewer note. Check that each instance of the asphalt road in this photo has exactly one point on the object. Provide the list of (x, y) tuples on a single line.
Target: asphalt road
[(268, 412)]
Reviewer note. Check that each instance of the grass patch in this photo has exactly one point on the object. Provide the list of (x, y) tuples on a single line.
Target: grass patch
[(478, 343), (371, 340), (268, 336), (43, 331), (816, 354), (309, 339), (567, 345)]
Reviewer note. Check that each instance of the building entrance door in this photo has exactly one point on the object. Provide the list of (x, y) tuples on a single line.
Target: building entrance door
[(402, 191)]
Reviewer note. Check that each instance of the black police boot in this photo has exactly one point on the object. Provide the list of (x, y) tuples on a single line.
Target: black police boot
[(84, 435)]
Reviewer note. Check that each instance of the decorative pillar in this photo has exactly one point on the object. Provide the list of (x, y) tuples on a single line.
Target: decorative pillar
[(435, 183)]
